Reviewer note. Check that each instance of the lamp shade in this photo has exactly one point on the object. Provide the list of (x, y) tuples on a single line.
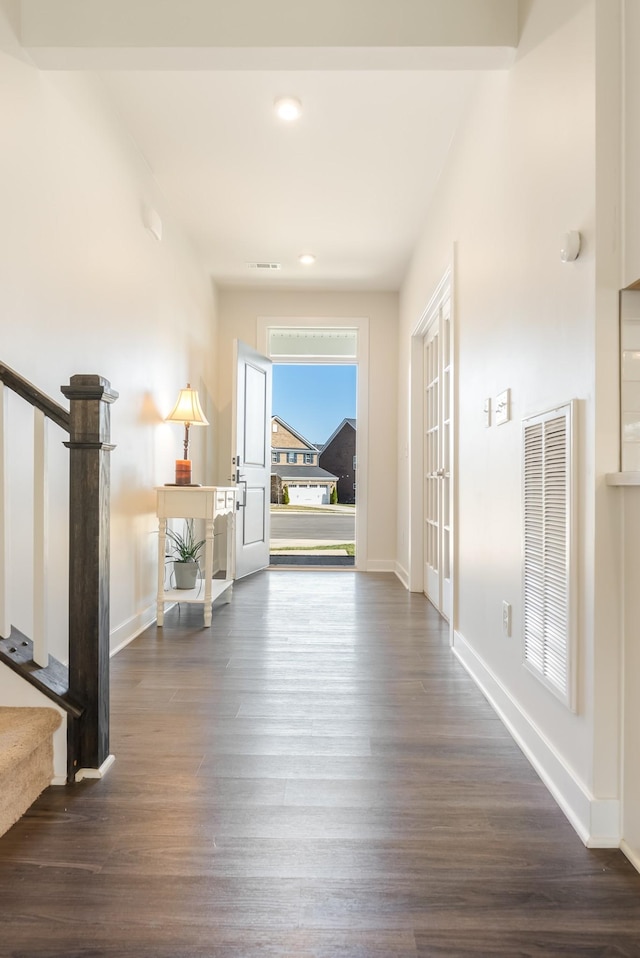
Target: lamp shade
[(188, 409)]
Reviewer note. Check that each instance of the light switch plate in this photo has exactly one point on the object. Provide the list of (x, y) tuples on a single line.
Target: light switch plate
[(506, 619), (487, 412), (503, 407)]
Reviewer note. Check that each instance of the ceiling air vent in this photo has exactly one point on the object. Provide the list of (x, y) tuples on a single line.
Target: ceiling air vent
[(265, 266)]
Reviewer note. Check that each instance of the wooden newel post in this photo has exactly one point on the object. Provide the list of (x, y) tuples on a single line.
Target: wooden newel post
[(90, 399)]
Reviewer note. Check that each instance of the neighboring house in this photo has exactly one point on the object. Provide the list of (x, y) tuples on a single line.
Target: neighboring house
[(339, 456), (294, 464)]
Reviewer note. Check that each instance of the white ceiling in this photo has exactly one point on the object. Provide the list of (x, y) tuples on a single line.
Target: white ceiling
[(350, 181), (383, 85)]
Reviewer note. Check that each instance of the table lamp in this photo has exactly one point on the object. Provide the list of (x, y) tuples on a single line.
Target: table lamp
[(189, 411)]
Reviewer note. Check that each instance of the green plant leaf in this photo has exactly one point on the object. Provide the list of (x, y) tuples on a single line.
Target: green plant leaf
[(186, 548)]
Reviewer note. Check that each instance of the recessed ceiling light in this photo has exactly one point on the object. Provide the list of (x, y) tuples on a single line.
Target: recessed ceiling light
[(288, 108), (306, 259)]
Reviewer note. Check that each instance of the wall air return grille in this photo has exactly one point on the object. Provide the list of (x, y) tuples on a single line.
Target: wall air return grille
[(549, 498), (265, 267)]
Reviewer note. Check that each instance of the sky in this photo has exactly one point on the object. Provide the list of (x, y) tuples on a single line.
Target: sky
[(314, 399)]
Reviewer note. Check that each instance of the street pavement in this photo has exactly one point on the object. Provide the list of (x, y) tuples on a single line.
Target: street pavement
[(313, 526)]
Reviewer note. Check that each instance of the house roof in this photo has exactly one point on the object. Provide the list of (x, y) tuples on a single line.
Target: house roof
[(345, 422), (293, 432), (302, 472)]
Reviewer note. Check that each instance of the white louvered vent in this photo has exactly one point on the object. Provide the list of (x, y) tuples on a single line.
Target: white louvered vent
[(265, 266), (549, 498)]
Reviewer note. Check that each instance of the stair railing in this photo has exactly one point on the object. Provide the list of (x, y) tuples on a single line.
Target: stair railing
[(82, 687)]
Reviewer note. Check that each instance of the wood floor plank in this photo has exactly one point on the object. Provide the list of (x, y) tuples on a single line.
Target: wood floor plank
[(313, 777), (454, 943)]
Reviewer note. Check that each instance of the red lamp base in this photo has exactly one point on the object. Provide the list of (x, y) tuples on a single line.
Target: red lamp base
[(183, 472)]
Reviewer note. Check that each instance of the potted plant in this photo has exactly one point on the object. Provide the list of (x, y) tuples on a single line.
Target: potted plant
[(186, 556)]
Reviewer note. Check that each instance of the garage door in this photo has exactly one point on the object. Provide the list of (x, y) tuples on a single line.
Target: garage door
[(308, 495)]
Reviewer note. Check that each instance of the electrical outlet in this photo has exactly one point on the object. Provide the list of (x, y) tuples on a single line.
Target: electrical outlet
[(506, 620)]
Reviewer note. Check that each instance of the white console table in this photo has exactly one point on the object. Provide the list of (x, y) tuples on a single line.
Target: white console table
[(196, 502)]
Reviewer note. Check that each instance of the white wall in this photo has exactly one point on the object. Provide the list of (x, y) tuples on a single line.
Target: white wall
[(364, 26), (628, 506), (85, 288), (630, 503), (629, 498), (521, 172), (238, 314), (607, 654), (631, 206)]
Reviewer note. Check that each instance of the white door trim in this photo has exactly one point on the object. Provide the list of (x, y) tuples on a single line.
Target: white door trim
[(443, 291), (361, 324)]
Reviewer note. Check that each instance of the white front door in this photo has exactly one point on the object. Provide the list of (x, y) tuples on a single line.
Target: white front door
[(252, 458), (437, 462)]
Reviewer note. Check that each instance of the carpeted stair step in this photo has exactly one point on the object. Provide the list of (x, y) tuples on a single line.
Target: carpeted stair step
[(26, 759)]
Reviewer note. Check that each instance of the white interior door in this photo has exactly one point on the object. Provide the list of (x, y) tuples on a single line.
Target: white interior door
[(252, 458), (437, 460)]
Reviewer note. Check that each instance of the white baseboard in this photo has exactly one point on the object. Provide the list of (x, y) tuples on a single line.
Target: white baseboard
[(402, 574), (381, 565), (83, 773), (596, 821), (632, 854), (129, 630)]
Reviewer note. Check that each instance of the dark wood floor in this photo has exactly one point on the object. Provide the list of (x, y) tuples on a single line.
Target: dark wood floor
[(314, 777)]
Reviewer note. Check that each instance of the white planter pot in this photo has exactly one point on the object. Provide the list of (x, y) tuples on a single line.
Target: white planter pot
[(186, 574)]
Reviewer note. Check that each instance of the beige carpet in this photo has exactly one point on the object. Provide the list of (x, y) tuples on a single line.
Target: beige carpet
[(26, 759)]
